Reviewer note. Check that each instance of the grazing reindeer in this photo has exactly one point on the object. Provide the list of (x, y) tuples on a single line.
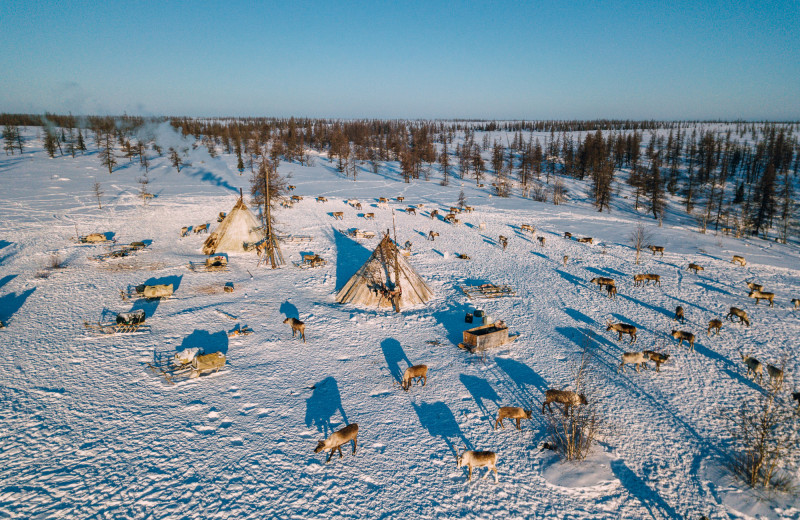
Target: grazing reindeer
[(322, 199), (432, 235), (657, 358), (478, 459), (566, 397), (796, 303), (184, 231), (541, 240), (695, 268), (755, 286), (503, 242), (419, 372), (567, 234), (739, 313), (796, 397), (754, 366), (602, 280), (297, 326), (338, 215), (337, 439), (450, 217), (511, 412), (434, 214), (681, 335), (468, 209), (298, 198), (411, 211), (586, 240), (527, 227), (369, 216), (656, 249), (714, 324), (679, 315), (290, 187), (566, 259), (645, 279), (612, 291), (383, 199), (400, 199), (454, 209), (739, 260), (775, 375), (358, 206), (758, 295), (200, 228), (637, 359), (623, 328)]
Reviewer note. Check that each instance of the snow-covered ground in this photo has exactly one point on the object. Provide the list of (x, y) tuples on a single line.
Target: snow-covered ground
[(89, 432)]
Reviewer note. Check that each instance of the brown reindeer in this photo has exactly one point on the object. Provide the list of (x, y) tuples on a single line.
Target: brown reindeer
[(369, 216), (796, 303), (602, 281), (411, 211), (541, 240), (637, 359), (322, 199), (297, 326), (714, 324), (527, 227), (758, 295), (291, 188), (623, 328), (358, 206), (503, 242), (337, 439), (739, 260), (681, 335), (567, 234), (419, 372), (679, 315), (184, 231), (566, 259), (478, 459), (400, 199), (511, 412), (338, 215), (586, 240), (432, 235), (695, 268), (434, 214), (656, 249), (657, 358), (565, 397), (612, 291), (755, 286), (739, 313), (203, 227), (645, 279), (468, 209)]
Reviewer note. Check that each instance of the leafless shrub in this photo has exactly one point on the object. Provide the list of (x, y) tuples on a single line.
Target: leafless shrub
[(54, 261), (43, 274), (765, 441), (559, 192), (98, 193), (575, 433), (539, 193), (639, 238)]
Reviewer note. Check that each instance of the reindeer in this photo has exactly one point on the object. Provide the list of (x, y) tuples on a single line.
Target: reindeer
[(681, 335), (503, 242), (400, 199), (338, 215), (695, 268), (739, 260), (203, 227), (602, 281), (714, 324), (679, 315), (478, 459), (432, 235), (184, 231), (454, 209), (411, 211), (796, 303), (434, 214), (369, 216), (337, 439), (291, 188), (657, 358), (567, 234), (297, 326), (450, 217), (358, 206), (296, 198), (468, 209), (511, 412), (758, 295), (645, 279), (419, 372), (527, 227), (586, 240), (637, 359), (566, 259), (541, 240), (775, 375), (221, 216), (754, 366), (383, 200), (612, 291), (796, 397), (656, 249), (755, 286), (566, 397), (623, 328), (322, 199), (739, 313)]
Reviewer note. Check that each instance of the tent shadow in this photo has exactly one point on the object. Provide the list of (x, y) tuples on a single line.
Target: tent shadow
[(394, 354), (207, 176), (439, 421), (13, 302), (350, 256), (481, 391), (208, 343), (323, 404), (638, 488)]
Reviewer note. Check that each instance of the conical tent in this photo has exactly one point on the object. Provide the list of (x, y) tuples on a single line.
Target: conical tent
[(240, 227), (385, 280)]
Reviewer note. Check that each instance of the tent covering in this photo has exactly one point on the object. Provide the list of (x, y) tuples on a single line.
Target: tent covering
[(240, 227)]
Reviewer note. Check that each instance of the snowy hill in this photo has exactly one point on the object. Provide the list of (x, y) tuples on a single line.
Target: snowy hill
[(91, 432)]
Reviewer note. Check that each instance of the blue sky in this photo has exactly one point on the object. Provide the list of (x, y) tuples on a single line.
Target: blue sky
[(522, 60)]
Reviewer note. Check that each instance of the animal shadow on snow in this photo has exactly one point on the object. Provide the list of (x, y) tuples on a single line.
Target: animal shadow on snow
[(608, 272), (350, 256), (666, 312), (452, 319), (323, 404), (639, 488), (150, 306), (711, 288), (289, 310), (540, 255), (571, 278), (439, 420), (4, 244), (12, 302), (205, 341), (481, 391), (579, 316), (395, 355), (4, 280)]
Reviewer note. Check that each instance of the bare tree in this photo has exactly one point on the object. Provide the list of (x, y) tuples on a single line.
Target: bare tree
[(640, 237), (98, 193), (143, 181)]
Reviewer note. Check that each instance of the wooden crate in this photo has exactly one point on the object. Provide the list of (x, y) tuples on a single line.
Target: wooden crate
[(485, 337)]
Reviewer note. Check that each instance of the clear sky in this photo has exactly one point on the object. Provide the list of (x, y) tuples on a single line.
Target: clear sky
[(524, 60)]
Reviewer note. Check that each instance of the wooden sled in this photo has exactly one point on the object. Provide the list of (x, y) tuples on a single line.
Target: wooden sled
[(311, 261), (116, 328), (164, 364), (487, 290), (213, 263), (492, 335), (296, 239)]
